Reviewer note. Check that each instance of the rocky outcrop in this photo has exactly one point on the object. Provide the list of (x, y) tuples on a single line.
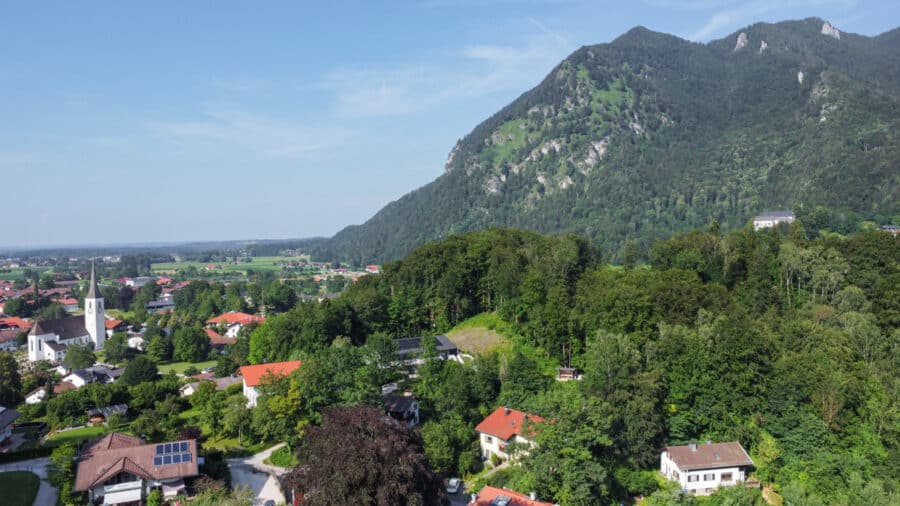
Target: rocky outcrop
[(831, 31), (763, 46), (741, 41)]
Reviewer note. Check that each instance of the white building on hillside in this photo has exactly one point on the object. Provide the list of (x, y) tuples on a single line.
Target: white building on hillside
[(770, 219), (701, 469)]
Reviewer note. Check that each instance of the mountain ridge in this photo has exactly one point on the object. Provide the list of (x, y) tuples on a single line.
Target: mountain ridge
[(651, 134)]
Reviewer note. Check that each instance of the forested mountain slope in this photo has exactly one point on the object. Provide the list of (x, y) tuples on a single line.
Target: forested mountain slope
[(652, 134)]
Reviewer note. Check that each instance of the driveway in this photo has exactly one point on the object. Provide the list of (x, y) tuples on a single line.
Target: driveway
[(46, 495), (261, 479)]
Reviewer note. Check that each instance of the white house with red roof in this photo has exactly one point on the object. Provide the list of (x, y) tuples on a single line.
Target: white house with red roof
[(254, 375), (234, 321), (503, 427), (703, 468)]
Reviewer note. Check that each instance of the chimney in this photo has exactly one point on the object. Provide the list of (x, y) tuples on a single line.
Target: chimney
[(473, 498), (709, 441), (692, 446), (717, 456), (505, 410), (532, 496)]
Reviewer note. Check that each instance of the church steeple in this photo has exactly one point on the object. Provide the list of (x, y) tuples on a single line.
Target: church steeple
[(94, 315), (93, 290)]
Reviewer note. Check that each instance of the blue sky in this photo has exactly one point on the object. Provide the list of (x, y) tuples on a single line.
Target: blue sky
[(182, 121)]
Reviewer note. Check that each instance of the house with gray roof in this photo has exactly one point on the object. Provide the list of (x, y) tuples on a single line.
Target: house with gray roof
[(7, 417)]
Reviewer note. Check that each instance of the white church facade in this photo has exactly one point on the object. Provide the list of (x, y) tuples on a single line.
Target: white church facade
[(48, 339)]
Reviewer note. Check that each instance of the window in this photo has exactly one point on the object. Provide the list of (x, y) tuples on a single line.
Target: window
[(693, 478), (709, 477), (726, 477), (488, 439)]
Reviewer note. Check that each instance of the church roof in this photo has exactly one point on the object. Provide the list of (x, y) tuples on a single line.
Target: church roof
[(64, 328), (93, 289)]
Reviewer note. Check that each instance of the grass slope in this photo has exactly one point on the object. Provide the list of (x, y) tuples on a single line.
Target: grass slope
[(19, 488), (481, 334)]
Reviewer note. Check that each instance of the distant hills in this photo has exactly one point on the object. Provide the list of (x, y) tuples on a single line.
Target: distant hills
[(652, 134)]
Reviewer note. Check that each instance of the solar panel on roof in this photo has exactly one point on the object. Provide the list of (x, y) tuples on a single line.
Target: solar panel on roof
[(159, 449), (157, 461), (167, 459), (176, 458), (185, 457), (184, 446)]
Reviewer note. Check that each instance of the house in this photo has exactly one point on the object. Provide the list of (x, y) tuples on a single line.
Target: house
[(403, 407), (161, 305), (567, 374), (7, 417), (412, 347), (373, 269), (48, 338), (69, 304), (221, 384), (253, 376), (234, 321), (770, 219), (894, 230), (493, 496), (9, 339), (98, 416), (95, 374), (502, 427), (702, 468), (121, 469), (113, 326), (217, 341), (36, 396), (138, 281)]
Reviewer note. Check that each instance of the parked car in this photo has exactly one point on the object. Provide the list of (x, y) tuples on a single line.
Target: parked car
[(453, 485)]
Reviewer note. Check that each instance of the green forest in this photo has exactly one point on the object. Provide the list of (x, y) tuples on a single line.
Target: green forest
[(784, 344), (652, 134)]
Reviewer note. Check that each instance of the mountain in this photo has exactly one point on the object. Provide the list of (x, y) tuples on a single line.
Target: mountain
[(652, 134)]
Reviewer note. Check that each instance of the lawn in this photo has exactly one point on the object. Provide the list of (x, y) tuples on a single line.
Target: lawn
[(19, 488), (481, 333), (76, 435), (179, 367), (15, 273)]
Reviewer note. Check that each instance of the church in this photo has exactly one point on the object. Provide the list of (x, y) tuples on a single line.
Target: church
[(48, 338)]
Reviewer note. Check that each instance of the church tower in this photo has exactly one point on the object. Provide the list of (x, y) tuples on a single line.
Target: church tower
[(94, 317)]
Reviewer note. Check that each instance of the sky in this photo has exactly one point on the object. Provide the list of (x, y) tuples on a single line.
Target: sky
[(127, 122)]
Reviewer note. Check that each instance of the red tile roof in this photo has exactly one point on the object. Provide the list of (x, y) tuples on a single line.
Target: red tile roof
[(233, 317), (111, 324), (64, 387), (15, 321), (215, 339), (488, 494), (253, 374), (505, 423)]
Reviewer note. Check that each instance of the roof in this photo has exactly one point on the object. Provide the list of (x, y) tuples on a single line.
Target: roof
[(53, 345), (15, 321), (64, 386), (497, 496), (414, 345), (398, 403), (8, 416), (65, 328), (236, 317), (93, 289), (111, 324), (216, 339), (9, 335), (108, 410), (775, 214), (116, 453), (709, 456), (253, 374), (68, 301), (505, 423)]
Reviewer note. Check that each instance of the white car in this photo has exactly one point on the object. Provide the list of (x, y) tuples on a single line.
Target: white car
[(453, 485)]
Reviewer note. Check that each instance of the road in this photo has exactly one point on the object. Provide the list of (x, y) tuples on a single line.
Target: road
[(46, 495), (250, 472)]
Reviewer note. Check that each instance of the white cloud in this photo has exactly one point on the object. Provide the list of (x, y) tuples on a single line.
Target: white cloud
[(261, 135), (471, 71)]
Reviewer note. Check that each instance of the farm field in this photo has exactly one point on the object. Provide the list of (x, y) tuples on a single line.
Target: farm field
[(257, 263), (15, 273)]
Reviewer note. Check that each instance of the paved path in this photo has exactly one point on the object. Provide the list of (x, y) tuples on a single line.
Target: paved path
[(261, 479), (46, 495)]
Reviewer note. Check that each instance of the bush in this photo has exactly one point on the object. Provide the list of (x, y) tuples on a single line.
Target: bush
[(495, 460), (282, 457)]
